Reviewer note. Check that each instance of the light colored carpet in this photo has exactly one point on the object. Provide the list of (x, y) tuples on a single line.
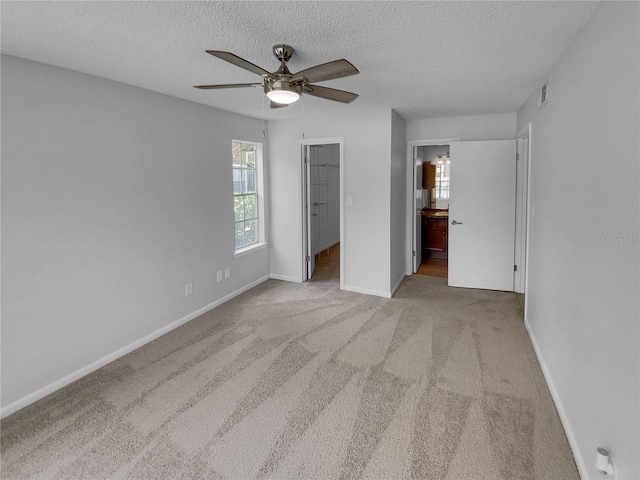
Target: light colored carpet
[(305, 381)]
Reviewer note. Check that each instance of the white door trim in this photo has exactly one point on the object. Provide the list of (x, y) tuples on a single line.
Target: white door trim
[(526, 132), (411, 193), (321, 141), (522, 142)]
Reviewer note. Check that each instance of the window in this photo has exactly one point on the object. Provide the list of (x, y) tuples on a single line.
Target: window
[(246, 194), (442, 180)]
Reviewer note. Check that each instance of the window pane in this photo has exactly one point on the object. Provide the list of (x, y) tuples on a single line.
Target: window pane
[(249, 156), (237, 180), (250, 210), (239, 234), (238, 208), (250, 180), (236, 153), (250, 232)]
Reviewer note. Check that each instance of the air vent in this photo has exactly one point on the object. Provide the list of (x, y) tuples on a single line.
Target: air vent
[(542, 99)]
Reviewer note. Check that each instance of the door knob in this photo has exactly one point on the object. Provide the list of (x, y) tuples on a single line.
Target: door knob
[(453, 222)]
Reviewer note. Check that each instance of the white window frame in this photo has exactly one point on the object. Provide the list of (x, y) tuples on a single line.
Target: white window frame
[(260, 242)]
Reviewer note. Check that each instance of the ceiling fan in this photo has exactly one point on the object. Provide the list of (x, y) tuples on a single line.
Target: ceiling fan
[(283, 87)]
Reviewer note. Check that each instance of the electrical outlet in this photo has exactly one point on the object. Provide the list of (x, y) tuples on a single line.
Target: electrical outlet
[(220, 276), (227, 273), (188, 289)]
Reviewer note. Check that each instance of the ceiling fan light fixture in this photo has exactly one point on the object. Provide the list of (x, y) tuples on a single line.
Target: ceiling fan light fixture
[(283, 97), (282, 92)]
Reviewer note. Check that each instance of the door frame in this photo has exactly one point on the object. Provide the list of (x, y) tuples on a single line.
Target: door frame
[(303, 143), (524, 195), (411, 195)]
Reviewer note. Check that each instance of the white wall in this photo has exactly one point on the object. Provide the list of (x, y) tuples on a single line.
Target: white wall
[(367, 147), (582, 303), (398, 200), (113, 198), (499, 126), (333, 157)]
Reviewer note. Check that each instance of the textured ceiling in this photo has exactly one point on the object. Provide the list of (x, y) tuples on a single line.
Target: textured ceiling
[(423, 59)]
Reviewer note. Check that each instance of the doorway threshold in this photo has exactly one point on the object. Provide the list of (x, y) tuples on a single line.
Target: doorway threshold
[(434, 268)]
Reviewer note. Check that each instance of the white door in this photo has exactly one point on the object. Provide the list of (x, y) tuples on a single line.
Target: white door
[(482, 214), (417, 209)]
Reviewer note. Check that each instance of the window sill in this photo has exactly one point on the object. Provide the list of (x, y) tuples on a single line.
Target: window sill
[(254, 247)]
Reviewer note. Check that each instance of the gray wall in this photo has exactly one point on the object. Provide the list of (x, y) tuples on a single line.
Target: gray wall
[(113, 198), (398, 199), (497, 126), (582, 302), (367, 179), (334, 195)]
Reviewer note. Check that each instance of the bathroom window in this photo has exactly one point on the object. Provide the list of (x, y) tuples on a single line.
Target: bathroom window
[(442, 180)]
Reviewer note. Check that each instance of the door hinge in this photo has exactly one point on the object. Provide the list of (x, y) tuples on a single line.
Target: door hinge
[(308, 258), (517, 157), (515, 268), (414, 253), (306, 160)]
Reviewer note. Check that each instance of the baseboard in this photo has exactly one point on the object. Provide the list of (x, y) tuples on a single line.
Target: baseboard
[(367, 291), (78, 374), (285, 278), (582, 470)]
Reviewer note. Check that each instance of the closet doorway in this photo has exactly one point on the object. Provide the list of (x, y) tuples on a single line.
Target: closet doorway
[(322, 224)]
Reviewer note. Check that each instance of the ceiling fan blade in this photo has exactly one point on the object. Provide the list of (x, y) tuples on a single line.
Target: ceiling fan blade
[(330, 93), (228, 85), (328, 71), (240, 62), (277, 105)]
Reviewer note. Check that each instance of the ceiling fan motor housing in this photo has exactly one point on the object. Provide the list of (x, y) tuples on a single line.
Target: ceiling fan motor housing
[(281, 85), (283, 52)]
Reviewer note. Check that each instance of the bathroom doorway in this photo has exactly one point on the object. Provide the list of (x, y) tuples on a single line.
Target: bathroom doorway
[(429, 189)]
